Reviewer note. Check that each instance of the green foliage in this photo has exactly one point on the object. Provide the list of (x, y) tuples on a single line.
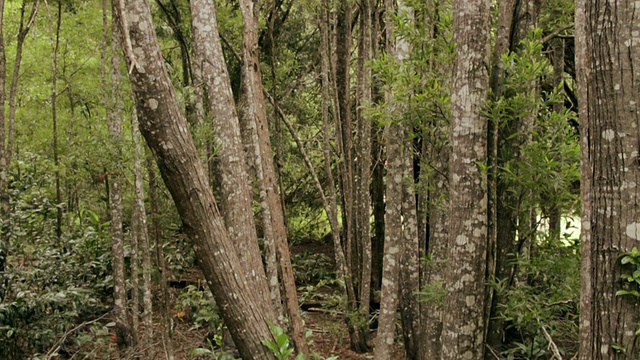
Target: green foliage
[(199, 304), (280, 346), (547, 295), (631, 260), (311, 267)]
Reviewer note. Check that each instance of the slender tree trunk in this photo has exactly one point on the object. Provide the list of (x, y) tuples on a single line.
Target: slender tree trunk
[(251, 109), (363, 157), (165, 129), (140, 224), (235, 193), (55, 41), (4, 196), (125, 333), (517, 18), (609, 89), (463, 317), (156, 230), (257, 110), (393, 236), (434, 210)]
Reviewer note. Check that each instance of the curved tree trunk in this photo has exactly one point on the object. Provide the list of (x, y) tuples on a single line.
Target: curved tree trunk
[(165, 129)]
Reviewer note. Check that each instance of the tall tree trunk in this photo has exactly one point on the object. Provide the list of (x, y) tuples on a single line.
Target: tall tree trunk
[(257, 110), (125, 333), (235, 193), (4, 196), (608, 104), (363, 156), (165, 129), (156, 233), (463, 316), (55, 41), (393, 236), (433, 210), (517, 18), (139, 214)]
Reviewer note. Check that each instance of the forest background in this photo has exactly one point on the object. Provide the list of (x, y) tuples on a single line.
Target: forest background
[(399, 175)]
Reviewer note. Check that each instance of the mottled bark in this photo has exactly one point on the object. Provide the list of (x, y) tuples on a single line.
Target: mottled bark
[(235, 193), (165, 129), (607, 56), (139, 224), (463, 313), (393, 236), (256, 110), (156, 233), (392, 245), (250, 109), (55, 42), (517, 19), (362, 162), (125, 334), (4, 205), (437, 246)]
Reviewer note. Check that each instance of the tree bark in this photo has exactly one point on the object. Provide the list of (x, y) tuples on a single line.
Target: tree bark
[(139, 214), (165, 129), (235, 193), (124, 331), (463, 314), (607, 36), (256, 110)]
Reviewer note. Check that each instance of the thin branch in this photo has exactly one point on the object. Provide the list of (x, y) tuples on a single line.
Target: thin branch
[(556, 33), (128, 48), (552, 346), (56, 346)]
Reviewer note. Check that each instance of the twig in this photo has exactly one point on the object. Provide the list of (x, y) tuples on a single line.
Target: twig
[(494, 353), (56, 346), (325, 311), (556, 33), (128, 48), (552, 346)]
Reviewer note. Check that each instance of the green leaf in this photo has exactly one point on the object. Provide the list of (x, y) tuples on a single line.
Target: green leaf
[(200, 351), (628, 292), (300, 356)]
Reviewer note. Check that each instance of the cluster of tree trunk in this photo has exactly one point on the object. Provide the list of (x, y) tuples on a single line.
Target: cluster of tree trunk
[(394, 195)]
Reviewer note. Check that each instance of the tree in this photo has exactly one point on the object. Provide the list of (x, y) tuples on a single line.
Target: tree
[(607, 35), (271, 204), (463, 315), (164, 127)]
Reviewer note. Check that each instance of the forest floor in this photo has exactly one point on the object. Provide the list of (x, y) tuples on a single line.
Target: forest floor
[(329, 333)]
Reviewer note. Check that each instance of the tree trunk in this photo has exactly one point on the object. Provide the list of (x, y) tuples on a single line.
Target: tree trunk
[(139, 214), (608, 95), (463, 316), (156, 230), (517, 19), (235, 193), (125, 333), (256, 109), (363, 157), (165, 129), (4, 196)]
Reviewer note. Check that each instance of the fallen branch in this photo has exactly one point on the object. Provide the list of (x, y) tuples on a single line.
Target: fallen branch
[(552, 346), (56, 346)]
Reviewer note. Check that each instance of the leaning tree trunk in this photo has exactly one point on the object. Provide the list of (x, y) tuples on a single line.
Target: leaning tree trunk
[(235, 193), (463, 316), (609, 90), (165, 129), (255, 99)]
